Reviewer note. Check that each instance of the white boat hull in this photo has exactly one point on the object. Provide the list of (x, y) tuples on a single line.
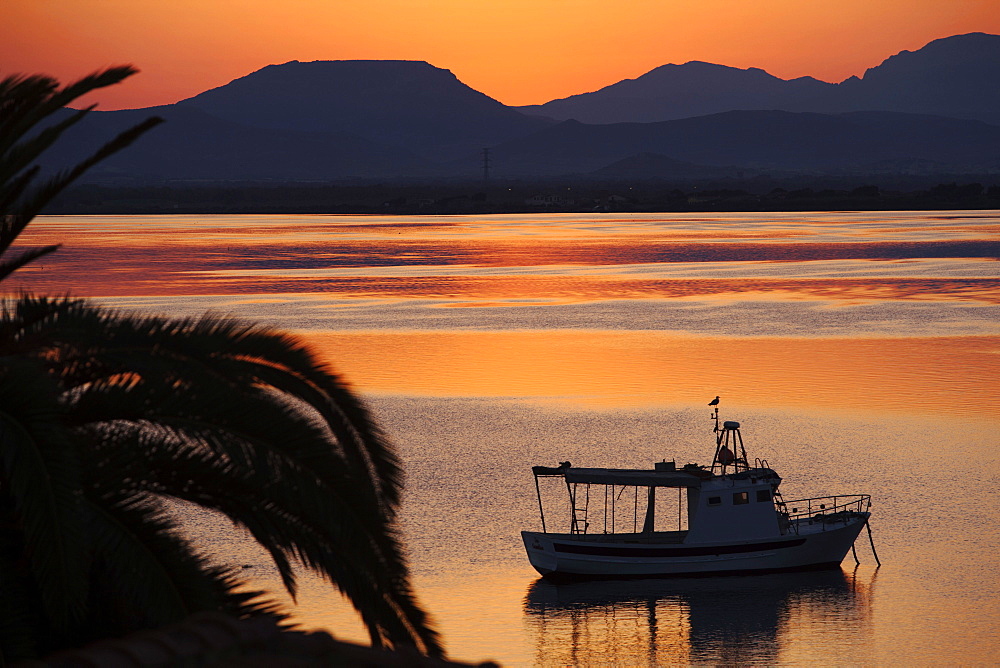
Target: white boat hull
[(601, 556)]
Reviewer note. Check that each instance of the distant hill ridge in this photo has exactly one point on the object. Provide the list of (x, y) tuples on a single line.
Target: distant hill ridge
[(369, 119), (956, 76), (761, 141)]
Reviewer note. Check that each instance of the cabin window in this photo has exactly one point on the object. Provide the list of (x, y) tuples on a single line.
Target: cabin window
[(740, 498), (763, 495), (715, 500)]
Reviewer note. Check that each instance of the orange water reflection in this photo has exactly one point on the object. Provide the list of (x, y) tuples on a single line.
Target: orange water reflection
[(169, 270), (553, 283), (442, 375), (756, 620), (180, 255), (950, 375)]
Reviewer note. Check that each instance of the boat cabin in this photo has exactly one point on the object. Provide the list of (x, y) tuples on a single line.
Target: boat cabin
[(729, 500)]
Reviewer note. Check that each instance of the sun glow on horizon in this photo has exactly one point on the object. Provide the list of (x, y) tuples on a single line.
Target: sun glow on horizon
[(516, 51)]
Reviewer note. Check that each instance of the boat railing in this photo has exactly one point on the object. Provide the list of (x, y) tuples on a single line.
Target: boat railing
[(823, 510)]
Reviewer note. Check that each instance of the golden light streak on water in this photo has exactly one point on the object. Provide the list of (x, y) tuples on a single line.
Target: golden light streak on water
[(948, 376)]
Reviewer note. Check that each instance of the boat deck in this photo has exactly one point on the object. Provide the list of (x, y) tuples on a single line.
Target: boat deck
[(649, 537), (822, 523)]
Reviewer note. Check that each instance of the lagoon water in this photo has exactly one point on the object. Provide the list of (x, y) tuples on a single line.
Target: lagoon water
[(860, 351)]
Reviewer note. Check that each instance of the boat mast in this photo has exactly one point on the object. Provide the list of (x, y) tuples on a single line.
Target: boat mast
[(729, 449)]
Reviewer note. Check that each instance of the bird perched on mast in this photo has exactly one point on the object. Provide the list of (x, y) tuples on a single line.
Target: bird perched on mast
[(714, 402)]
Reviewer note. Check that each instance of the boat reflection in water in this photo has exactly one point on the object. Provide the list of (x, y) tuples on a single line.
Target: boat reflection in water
[(781, 618)]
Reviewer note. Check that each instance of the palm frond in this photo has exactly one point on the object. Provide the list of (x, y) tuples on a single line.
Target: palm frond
[(242, 420), (19, 156), (22, 100), (239, 446), (318, 537), (14, 188), (8, 267), (25, 102), (138, 555), (39, 477), (21, 611), (31, 205)]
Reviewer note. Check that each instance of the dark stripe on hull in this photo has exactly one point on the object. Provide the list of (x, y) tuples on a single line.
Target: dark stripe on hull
[(608, 551), (559, 576)]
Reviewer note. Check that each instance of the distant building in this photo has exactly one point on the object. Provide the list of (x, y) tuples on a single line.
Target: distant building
[(546, 200)]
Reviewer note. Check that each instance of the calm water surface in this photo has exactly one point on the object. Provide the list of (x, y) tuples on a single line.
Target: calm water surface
[(861, 352)]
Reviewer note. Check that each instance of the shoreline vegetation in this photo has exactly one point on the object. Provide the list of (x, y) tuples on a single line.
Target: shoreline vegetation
[(476, 197)]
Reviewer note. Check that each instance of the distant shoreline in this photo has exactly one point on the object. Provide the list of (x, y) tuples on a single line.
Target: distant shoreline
[(528, 197)]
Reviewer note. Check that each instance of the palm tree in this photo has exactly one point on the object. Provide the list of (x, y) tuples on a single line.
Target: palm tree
[(106, 417), (25, 102)]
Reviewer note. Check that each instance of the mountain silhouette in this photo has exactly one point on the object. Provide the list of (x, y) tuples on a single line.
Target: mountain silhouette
[(409, 104), (333, 120), (955, 76), (670, 92)]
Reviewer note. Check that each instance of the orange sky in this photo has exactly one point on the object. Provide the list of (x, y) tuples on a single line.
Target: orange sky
[(517, 51)]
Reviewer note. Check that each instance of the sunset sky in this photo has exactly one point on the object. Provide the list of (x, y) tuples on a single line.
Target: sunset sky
[(517, 51)]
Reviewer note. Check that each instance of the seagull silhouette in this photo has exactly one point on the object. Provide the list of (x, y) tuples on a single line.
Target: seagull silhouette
[(714, 402)]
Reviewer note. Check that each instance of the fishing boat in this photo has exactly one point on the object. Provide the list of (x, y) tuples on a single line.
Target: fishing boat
[(729, 517)]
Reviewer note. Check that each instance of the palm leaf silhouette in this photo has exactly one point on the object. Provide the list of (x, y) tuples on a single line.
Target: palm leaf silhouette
[(109, 418)]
